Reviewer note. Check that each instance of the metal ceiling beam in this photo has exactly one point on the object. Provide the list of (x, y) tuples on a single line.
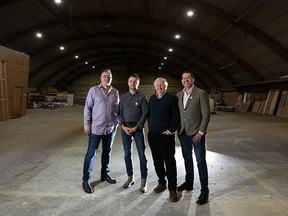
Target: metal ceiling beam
[(225, 75), (241, 24), (163, 24), (99, 59), (110, 62)]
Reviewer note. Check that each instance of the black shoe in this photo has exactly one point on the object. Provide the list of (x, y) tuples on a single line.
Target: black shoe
[(108, 179), (202, 199), (87, 187), (184, 186)]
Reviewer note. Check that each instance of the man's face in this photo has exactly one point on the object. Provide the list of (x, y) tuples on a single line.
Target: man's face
[(133, 83), (187, 80), (160, 88), (106, 79)]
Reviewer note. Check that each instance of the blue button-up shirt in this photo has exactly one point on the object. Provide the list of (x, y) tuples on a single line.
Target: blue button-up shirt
[(101, 110)]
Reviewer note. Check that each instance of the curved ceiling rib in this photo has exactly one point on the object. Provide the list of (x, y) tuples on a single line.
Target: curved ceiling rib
[(209, 78), (241, 24), (225, 75), (188, 57), (161, 23), (84, 69), (73, 77), (100, 47), (97, 59)]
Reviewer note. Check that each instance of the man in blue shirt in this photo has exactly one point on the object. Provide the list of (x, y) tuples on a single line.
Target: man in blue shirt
[(132, 117), (100, 123)]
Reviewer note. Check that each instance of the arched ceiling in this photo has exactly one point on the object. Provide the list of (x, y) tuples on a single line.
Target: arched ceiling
[(225, 43)]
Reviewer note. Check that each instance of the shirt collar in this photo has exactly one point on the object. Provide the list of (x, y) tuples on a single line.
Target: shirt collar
[(110, 88), (189, 90), (160, 96)]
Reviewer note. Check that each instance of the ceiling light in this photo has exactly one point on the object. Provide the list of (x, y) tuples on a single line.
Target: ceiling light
[(165, 57), (170, 50), (190, 13), (177, 36), (39, 35), (162, 63), (76, 56), (159, 68), (86, 62), (61, 48), (57, 1), (93, 66)]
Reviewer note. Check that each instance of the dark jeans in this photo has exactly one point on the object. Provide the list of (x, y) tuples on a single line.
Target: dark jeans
[(163, 153), (138, 137), (93, 144), (187, 145)]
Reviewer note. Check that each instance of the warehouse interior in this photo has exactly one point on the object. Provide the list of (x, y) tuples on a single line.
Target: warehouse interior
[(53, 51)]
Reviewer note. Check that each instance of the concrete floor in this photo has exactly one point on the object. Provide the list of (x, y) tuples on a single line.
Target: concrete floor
[(42, 156)]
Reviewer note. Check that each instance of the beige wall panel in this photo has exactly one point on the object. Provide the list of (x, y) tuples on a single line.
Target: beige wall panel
[(230, 98), (17, 69)]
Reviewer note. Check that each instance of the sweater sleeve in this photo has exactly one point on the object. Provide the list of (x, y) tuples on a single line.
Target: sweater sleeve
[(175, 114)]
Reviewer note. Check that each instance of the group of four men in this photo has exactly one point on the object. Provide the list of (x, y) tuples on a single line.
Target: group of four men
[(188, 113)]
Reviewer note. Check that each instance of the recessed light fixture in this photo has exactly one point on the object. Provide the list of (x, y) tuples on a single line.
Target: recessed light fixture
[(190, 13), (58, 1), (177, 36), (159, 68), (86, 62), (39, 35), (165, 57), (170, 50), (61, 48), (162, 63), (93, 67), (76, 56)]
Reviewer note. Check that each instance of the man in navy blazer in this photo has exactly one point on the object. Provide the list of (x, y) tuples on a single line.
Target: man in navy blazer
[(195, 116)]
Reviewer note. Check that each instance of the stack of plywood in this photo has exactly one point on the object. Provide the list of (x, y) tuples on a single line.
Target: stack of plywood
[(271, 101), (283, 105), (258, 106)]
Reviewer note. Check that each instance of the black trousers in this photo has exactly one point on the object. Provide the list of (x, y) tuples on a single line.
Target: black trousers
[(163, 154)]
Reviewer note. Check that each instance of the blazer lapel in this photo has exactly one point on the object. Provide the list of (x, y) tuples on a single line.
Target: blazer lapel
[(181, 100), (191, 96)]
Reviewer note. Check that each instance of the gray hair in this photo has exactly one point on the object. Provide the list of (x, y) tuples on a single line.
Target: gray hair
[(163, 80)]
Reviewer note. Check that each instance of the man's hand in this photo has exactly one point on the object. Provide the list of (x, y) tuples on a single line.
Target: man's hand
[(197, 137), (129, 131), (167, 132), (87, 131)]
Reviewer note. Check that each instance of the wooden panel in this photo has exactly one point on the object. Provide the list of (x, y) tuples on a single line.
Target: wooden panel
[(17, 71), (230, 98), (17, 102), (256, 106), (271, 102), (244, 107), (283, 106), (4, 108)]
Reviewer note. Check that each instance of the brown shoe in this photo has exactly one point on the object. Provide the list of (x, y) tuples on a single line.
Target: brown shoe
[(160, 188), (128, 183), (143, 186), (173, 197)]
